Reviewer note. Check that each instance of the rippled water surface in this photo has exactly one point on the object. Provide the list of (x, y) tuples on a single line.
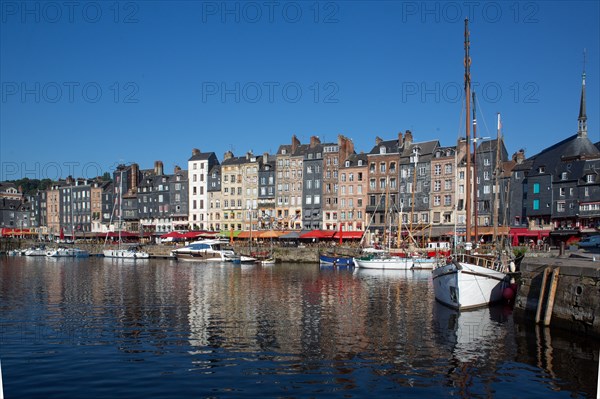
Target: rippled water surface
[(158, 329)]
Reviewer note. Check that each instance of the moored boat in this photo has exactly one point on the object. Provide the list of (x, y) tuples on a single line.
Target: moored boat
[(63, 252), (383, 262), (205, 251), (334, 260), (132, 252), (39, 250)]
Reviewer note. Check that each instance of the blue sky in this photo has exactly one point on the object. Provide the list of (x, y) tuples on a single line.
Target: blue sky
[(89, 85)]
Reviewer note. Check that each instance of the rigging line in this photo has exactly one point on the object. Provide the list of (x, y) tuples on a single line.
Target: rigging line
[(487, 130)]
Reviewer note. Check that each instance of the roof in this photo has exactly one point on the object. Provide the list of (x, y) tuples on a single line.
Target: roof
[(202, 156)]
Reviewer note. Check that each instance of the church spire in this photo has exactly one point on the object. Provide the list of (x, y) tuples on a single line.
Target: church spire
[(582, 120)]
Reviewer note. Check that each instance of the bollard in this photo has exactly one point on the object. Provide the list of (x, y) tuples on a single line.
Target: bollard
[(561, 250)]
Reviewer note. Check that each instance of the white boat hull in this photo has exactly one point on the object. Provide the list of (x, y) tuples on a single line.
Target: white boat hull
[(67, 253), (392, 263), (125, 254), (201, 256), (424, 263), (468, 286)]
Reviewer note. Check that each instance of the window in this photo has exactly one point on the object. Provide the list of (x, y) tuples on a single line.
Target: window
[(437, 170), (448, 169), (536, 205), (447, 200), (563, 176), (447, 184), (536, 188), (561, 191), (382, 167), (589, 179), (560, 206), (437, 185)]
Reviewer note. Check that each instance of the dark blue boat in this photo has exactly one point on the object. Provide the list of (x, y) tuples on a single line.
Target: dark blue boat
[(336, 260)]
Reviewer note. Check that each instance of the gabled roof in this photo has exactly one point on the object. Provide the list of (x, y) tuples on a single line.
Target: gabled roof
[(391, 147), (202, 156), (570, 149)]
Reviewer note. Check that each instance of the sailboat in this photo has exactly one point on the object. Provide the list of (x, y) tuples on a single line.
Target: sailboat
[(385, 260), (471, 281), (130, 252)]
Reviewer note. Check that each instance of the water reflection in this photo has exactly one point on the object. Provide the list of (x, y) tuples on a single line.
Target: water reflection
[(310, 329)]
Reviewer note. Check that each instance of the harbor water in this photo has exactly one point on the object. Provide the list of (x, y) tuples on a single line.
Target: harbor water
[(105, 328)]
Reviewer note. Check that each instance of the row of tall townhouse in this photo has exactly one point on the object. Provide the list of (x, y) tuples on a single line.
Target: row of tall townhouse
[(400, 182)]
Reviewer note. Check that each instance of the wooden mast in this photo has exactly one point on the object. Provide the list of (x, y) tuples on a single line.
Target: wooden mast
[(467, 62), (497, 174), (475, 194)]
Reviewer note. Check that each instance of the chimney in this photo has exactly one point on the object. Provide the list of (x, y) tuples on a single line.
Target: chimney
[(249, 155), (519, 156), (135, 170), (314, 140), (177, 169), (400, 140), (408, 138), (227, 155), (195, 151), (158, 168), (378, 140), (265, 157), (346, 147), (295, 143)]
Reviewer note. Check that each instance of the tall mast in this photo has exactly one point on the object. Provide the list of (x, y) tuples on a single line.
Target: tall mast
[(497, 173), (475, 193), (120, 207), (467, 127)]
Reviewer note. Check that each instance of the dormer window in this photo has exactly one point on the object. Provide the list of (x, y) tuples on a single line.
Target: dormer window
[(589, 178), (283, 151), (347, 164), (360, 162), (563, 176), (542, 169), (382, 149)]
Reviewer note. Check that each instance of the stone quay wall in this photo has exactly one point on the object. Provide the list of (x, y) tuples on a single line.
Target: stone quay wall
[(577, 298)]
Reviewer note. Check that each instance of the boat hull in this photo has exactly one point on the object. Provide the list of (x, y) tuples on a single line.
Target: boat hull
[(336, 260), (461, 285), (200, 256), (125, 254), (392, 263), (67, 253), (424, 263)]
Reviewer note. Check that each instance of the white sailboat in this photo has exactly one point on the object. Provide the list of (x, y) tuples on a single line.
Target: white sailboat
[(130, 252), (470, 281), (384, 260)]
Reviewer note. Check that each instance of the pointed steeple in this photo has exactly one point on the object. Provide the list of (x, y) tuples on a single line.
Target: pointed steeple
[(582, 120)]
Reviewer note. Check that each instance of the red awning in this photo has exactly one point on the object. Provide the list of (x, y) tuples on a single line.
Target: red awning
[(319, 234), (355, 235), (524, 231), (173, 234)]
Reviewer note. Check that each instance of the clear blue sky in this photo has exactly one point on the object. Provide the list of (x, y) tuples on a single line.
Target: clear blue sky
[(87, 86)]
